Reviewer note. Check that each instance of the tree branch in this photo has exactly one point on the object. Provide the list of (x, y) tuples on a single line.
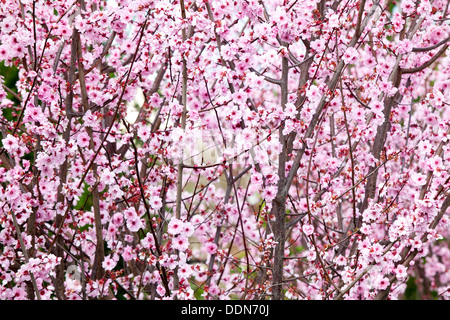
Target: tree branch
[(426, 64)]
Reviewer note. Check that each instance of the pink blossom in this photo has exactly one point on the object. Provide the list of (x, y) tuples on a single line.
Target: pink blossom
[(8, 24), (269, 193), (280, 16), (83, 140), (185, 271), (424, 7), (180, 243), (388, 88), (381, 283), (155, 202), (10, 143), (408, 6), (108, 263), (350, 55), (134, 224), (318, 45), (144, 133), (128, 253), (170, 261), (400, 272), (269, 129), (424, 147), (366, 229), (418, 179), (397, 22), (187, 230), (308, 229), (12, 192), (160, 290), (175, 226), (211, 248), (404, 46), (340, 261), (401, 227), (311, 255), (372, 213)]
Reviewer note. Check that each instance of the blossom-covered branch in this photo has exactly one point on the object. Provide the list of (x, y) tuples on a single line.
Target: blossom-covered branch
[(156, 149)]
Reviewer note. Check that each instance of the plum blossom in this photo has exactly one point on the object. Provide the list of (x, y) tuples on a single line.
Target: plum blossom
[(350, 55), (388, 88), (404, 46), (134, 223), (185, 271), (308, 229), (401, 227), (424, 7), (418, 179), (408, 6), (128, 253), (117, 219), (381, 282), (180, 243), (397, 22), (160, 290), (83, 140), (290, 110), (10, 143), (318, 45), (247, 134), (144, 133), (400, 272), (311, 255), (211, 248), (280, 16), (187, 229), (108, 263), (372, 213), (155, 202), (175, 226)]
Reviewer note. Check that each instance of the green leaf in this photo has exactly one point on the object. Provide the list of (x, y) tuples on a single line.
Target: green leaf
[(85, 201)]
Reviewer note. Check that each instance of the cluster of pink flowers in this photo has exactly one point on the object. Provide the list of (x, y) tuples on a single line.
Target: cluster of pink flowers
[(157, 149)]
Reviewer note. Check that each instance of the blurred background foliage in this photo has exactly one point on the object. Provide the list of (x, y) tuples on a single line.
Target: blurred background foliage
[(10, 76)]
